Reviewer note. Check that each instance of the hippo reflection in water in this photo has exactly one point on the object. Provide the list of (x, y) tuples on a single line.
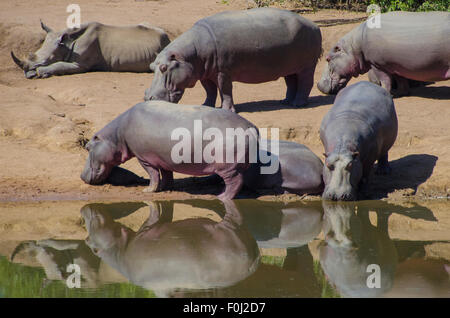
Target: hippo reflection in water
[(352, 243), (163, 255)]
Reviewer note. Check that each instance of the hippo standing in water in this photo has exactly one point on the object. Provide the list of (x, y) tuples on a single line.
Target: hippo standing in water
[(163, 256), (359, 129), (407, 45), (299, 170), (94, 47), (249, 46), (151, 132)]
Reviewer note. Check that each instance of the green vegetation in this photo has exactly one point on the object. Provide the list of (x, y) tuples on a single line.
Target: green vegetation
[(328, 291), (18, 281), (361, 5)]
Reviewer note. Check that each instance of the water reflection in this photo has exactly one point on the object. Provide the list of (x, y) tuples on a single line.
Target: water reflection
[(256, 249), (361, 260)]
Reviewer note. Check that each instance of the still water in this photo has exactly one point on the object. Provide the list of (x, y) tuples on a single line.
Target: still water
[(242, 248)]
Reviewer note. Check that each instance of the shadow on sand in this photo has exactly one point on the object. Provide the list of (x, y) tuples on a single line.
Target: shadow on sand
[(407, 173), (270, 105)]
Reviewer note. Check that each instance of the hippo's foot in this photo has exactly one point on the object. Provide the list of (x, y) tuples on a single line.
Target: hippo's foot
[(151, 188), (293, 103), (285, 102), (383, 170)]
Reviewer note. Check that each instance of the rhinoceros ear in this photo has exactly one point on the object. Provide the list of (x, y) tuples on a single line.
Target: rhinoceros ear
[(45, 28), (152, 66)]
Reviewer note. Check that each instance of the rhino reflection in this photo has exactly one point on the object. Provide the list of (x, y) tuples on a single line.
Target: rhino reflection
[(164, 256)]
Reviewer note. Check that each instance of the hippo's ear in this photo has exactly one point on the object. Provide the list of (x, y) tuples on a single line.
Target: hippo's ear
[(175, 56), (325, 155), (152, 66), (355, 154)]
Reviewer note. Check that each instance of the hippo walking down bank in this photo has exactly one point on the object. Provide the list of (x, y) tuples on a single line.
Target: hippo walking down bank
[(166, 137), (95, 47), (249, 46), (359, 129), (407, 45)]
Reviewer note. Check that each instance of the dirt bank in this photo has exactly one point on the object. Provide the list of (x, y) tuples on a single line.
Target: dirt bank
[(45, 123)]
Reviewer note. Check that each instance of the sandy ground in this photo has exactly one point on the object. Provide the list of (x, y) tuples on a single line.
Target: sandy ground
[(44, 123)]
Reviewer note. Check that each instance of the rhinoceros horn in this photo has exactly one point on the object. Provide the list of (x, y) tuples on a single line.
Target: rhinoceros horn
[(20, 248), (16, 60), (45, 28)]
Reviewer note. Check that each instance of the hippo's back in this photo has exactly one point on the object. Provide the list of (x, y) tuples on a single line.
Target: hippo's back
[(413, 44), (262, 44), (363, 101)]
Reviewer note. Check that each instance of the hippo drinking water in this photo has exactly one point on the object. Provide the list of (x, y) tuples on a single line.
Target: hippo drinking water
[(147, 132), (407, 45), (251, 46), (360, 128)]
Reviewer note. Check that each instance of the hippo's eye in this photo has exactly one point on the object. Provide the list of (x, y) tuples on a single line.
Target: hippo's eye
[(336, 49), (330, 166)]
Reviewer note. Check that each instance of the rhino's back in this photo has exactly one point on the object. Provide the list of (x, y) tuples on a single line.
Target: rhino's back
[(130, 48)]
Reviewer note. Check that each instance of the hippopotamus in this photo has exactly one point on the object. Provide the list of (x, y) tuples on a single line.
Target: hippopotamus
[(149, 132), (351, 245), (407, 45), (359, 129), (274, 224), (195, 253), (299, 170), (95, 47), (249, 46)]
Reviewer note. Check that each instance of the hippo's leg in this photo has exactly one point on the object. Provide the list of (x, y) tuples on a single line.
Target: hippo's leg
[(305, 82), (211, 92), (234, 181), (226, 91), (291, 83), (166, 180), (154, 177), (384, 78), (402, 86), (383, 165)]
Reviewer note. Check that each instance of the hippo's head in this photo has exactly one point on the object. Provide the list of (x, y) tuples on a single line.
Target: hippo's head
[(102, 158), (104, 233), (342, 173), (344, 61), (352, 248), (57, 46), (172, 76)]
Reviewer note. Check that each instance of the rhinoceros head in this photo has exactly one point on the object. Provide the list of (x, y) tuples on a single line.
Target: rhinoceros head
[(172, 76), (101, 159), (57, 47)]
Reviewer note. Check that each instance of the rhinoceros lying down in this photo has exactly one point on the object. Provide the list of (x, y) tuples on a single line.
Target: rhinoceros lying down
[(94, 47)]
